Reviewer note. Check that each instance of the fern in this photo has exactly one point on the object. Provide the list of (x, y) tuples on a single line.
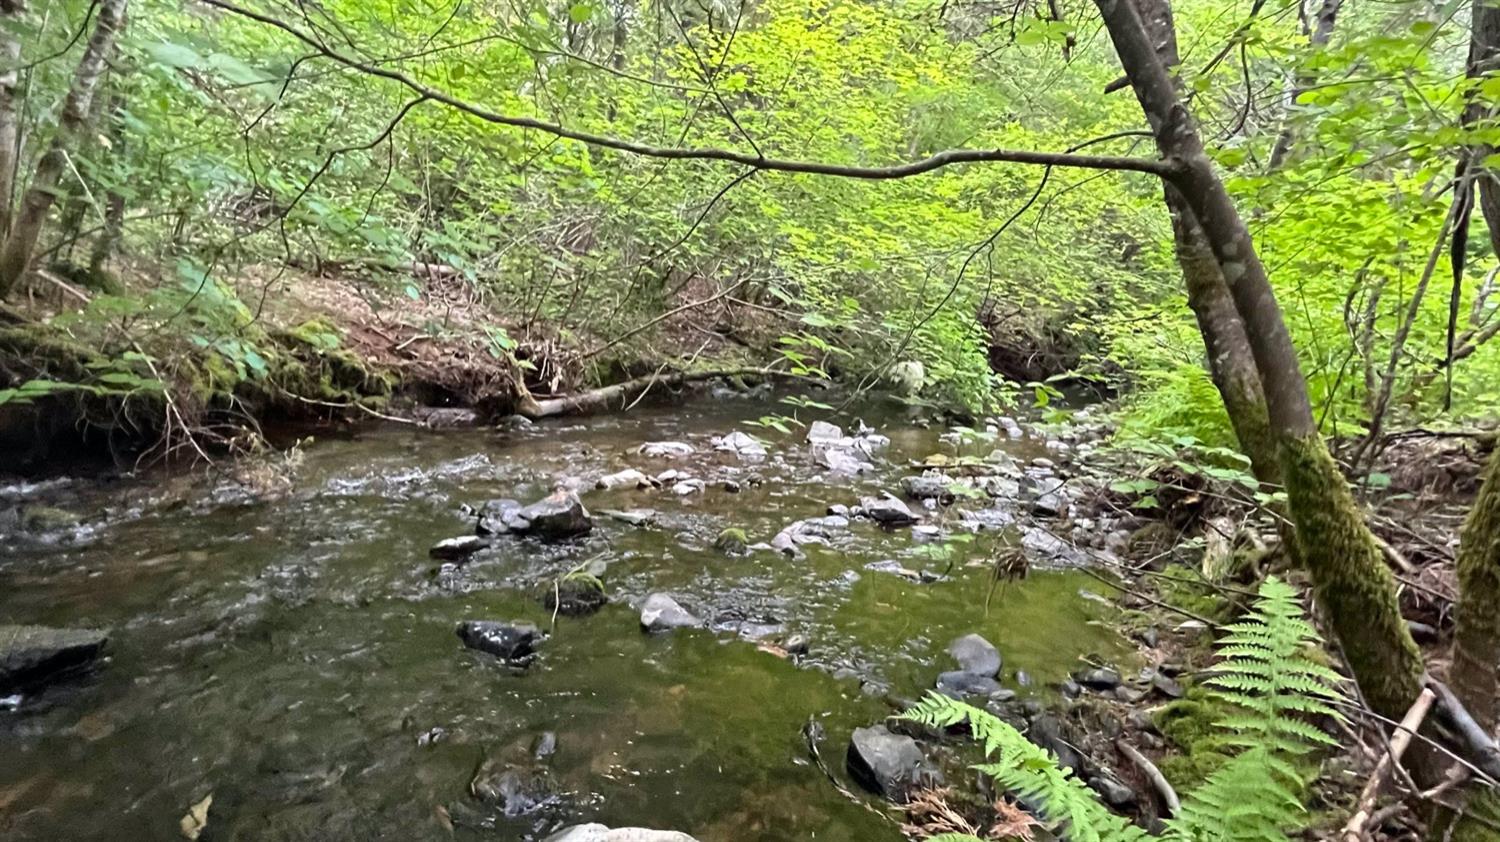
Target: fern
[(1268, 681), (1029, 772)]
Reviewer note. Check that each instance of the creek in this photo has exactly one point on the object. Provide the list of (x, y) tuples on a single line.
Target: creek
[(296, 659)]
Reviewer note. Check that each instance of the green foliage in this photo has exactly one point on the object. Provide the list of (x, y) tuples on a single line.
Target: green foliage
[(1270, 684)]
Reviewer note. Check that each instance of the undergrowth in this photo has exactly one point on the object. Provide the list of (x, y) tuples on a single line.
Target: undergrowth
[(1269, 685)]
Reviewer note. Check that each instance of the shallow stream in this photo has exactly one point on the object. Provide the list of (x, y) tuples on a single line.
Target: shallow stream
[(292, 658)]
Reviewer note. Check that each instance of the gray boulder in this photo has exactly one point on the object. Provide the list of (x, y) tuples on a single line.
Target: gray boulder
[(32, 654), (887, 510), (661, 612), (824, 432), (884, 763), (600, 833), (975, 655), (509, 641), (961, 685), (743, 445), (558, 515), (928, 487)]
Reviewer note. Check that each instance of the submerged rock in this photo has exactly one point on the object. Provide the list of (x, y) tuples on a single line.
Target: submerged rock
[(959, 684), (515, 790), (743, 445), (661, 612), (976, 655), (884, 763), (840, 461), (690, 485), (47, 519), (634, 517), (456, 549), (667, 449), (600, 833), (509, 641), (31, 655), (928, 487), (499, 517)]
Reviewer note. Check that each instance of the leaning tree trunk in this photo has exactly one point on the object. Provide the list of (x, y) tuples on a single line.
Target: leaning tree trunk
[(1231, 365), (20, 242), (1349, 574)]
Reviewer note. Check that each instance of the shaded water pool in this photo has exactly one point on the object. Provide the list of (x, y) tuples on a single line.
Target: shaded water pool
[(293, 658)]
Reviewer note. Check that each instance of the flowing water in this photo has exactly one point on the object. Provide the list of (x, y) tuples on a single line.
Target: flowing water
[(293, 658)]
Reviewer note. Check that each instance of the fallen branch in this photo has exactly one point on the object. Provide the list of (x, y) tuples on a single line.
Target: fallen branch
[(1354, 830), (1480, 748), (621, 394), (1171, 804)]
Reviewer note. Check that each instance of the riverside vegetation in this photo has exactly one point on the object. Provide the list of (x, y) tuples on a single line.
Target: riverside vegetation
[(1194, 300)]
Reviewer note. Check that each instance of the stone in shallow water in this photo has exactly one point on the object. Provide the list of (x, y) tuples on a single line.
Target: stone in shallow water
[(884, 763), (515, 790), (511, 641), (634, 517), (887, 510), (501, 516), (558, 515), (661, 612), (959, 684), (32, 654), (1102, 678), (742, 445), (975, 655), (822, 431), (574, 596), (600, 833), (629, 477), (454, 549), (666, 449)]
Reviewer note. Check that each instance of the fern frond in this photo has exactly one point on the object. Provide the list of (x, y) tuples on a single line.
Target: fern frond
[(1030, 773)]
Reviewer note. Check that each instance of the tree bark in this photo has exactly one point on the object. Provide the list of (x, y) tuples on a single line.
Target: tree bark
[(114, 204), (1476, 641), (1231, 365), (20, 242), (10, 117), (1322, 33), (1349, 575), (1484, 60)]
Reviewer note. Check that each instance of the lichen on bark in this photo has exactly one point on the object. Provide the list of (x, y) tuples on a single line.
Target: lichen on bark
[(1476, 640)]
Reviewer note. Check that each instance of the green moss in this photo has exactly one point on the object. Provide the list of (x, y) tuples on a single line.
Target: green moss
[(1350, 577), (1476, 641), (732, 541), (1191, 724)]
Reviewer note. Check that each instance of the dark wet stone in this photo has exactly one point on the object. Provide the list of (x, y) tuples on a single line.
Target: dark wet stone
[(961, 685), (435, 734), (975, 655), (1114, 793), (887, 510), (1050, 504), (1102, 678), (1166, 686), (795, 644), (575, 595), (1422, 632), (1070, 689), (661, 612), (884, 763), (499, 517), (1048, 732), (516, 791), (456, 549), (544, 746), (1129, 695), (558, 515), (510, 641), (31, 655), (731, 486)]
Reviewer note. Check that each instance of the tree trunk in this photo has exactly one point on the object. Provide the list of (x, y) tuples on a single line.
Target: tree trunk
[(1349, 575), (1231, 365), (1322, 32), (15, 254), (10, 118), (1476, 642), (114, 205), (1484, 60)]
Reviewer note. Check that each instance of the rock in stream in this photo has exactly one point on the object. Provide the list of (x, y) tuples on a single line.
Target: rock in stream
[(30, 655)]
